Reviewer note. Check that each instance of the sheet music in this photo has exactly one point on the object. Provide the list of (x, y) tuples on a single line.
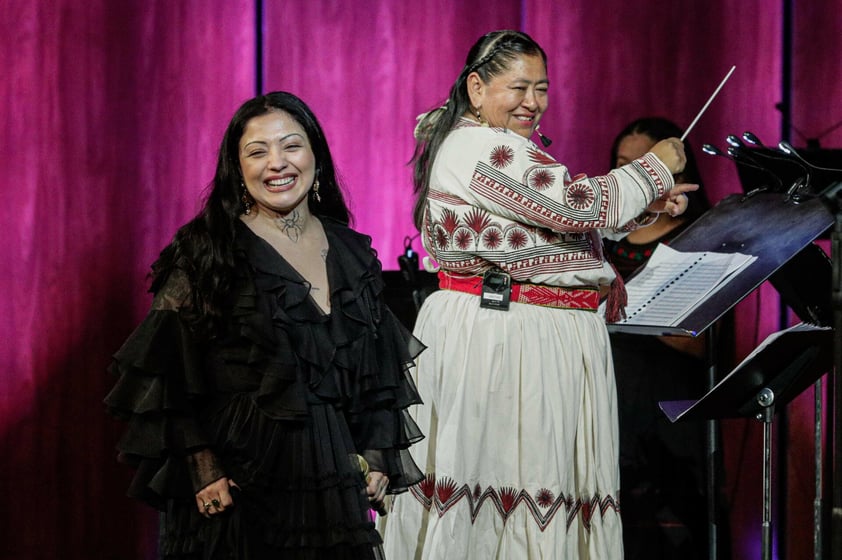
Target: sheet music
[(673, 284)]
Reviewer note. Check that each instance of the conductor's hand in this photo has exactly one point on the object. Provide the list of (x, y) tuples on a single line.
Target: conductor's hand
[(215, 497), (673, 202), (671, 152), (376, 488)]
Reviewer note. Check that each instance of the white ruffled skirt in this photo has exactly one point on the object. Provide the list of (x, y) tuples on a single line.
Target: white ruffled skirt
[(521, 452)]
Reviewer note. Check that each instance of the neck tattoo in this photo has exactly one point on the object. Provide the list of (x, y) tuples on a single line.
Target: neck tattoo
[(292, 225)]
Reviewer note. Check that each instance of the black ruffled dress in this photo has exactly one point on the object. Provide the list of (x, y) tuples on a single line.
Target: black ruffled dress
[(282, 401)]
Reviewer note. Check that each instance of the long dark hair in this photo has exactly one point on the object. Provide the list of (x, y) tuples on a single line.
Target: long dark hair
[(659, 128), (204, 247), (491, 55)]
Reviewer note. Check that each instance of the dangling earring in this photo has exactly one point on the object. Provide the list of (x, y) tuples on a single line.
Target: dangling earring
[(479, 117), (544, 140), (247, 199), (316, 196)]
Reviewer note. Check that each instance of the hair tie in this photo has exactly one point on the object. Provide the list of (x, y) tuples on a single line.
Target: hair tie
[(427, 121)]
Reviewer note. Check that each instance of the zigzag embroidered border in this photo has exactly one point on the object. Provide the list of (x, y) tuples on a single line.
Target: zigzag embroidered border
[(444, 494)]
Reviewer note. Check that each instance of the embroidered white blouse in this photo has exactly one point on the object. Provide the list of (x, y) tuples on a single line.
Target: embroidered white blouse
[(496, 199)]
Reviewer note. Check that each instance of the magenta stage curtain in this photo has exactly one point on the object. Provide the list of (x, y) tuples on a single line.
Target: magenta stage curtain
[(112, 112), (617, 61), (367, 72)]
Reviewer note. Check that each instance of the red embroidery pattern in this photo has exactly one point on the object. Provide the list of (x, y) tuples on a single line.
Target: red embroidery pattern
[(443, 494), (550, 296), (500, 189), (463, 239), (540, 157), (440, 237), (502, 156), (653, 174), (548, 236), (517, 238), (477, 220), (449, 220), (580, 196), (492, 237), (541, 179), (544, 498)]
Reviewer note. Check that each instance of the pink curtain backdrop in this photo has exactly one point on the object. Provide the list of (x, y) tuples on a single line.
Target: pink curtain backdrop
[(367, 72), (112, 112)]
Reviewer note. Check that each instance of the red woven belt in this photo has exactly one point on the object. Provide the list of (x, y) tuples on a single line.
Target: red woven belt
[(533, 294)]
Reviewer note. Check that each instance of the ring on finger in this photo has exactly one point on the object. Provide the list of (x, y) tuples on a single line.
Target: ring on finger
[(207, 505), (215, 503)]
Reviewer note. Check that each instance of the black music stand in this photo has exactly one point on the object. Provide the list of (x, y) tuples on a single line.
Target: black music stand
[(766, 225), (831, 197), (802, 175), (769, 225), (768, 379)]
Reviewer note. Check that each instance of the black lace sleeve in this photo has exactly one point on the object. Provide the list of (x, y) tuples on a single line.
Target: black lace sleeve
[(159, 381)]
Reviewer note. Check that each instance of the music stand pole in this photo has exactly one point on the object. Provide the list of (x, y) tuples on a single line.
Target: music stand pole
[(713, 451), (832, 197), (766, 399), (818, 465), (777, 372)]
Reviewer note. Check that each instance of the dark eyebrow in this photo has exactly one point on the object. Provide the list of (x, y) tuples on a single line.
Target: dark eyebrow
[(254, 142), (282, 139)]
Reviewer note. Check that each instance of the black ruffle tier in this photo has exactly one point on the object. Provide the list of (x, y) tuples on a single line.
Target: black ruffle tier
[(282, 400)]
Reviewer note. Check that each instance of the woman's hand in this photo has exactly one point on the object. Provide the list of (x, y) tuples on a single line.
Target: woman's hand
[(376, 489), (671, 152), (215, 497), (673, 202)]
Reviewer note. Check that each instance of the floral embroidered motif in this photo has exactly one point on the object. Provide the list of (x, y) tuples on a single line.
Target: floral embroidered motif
[(586, 515), (544, 498), (440, 237), (463, 238), (507, 499), (477, 220), (428, 485), (492, 238), (445, 489), (517, 238), (548, 235), (540, 157), (541, 179), (502, 156), (449, 220), (441, 495), (580, 196)]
